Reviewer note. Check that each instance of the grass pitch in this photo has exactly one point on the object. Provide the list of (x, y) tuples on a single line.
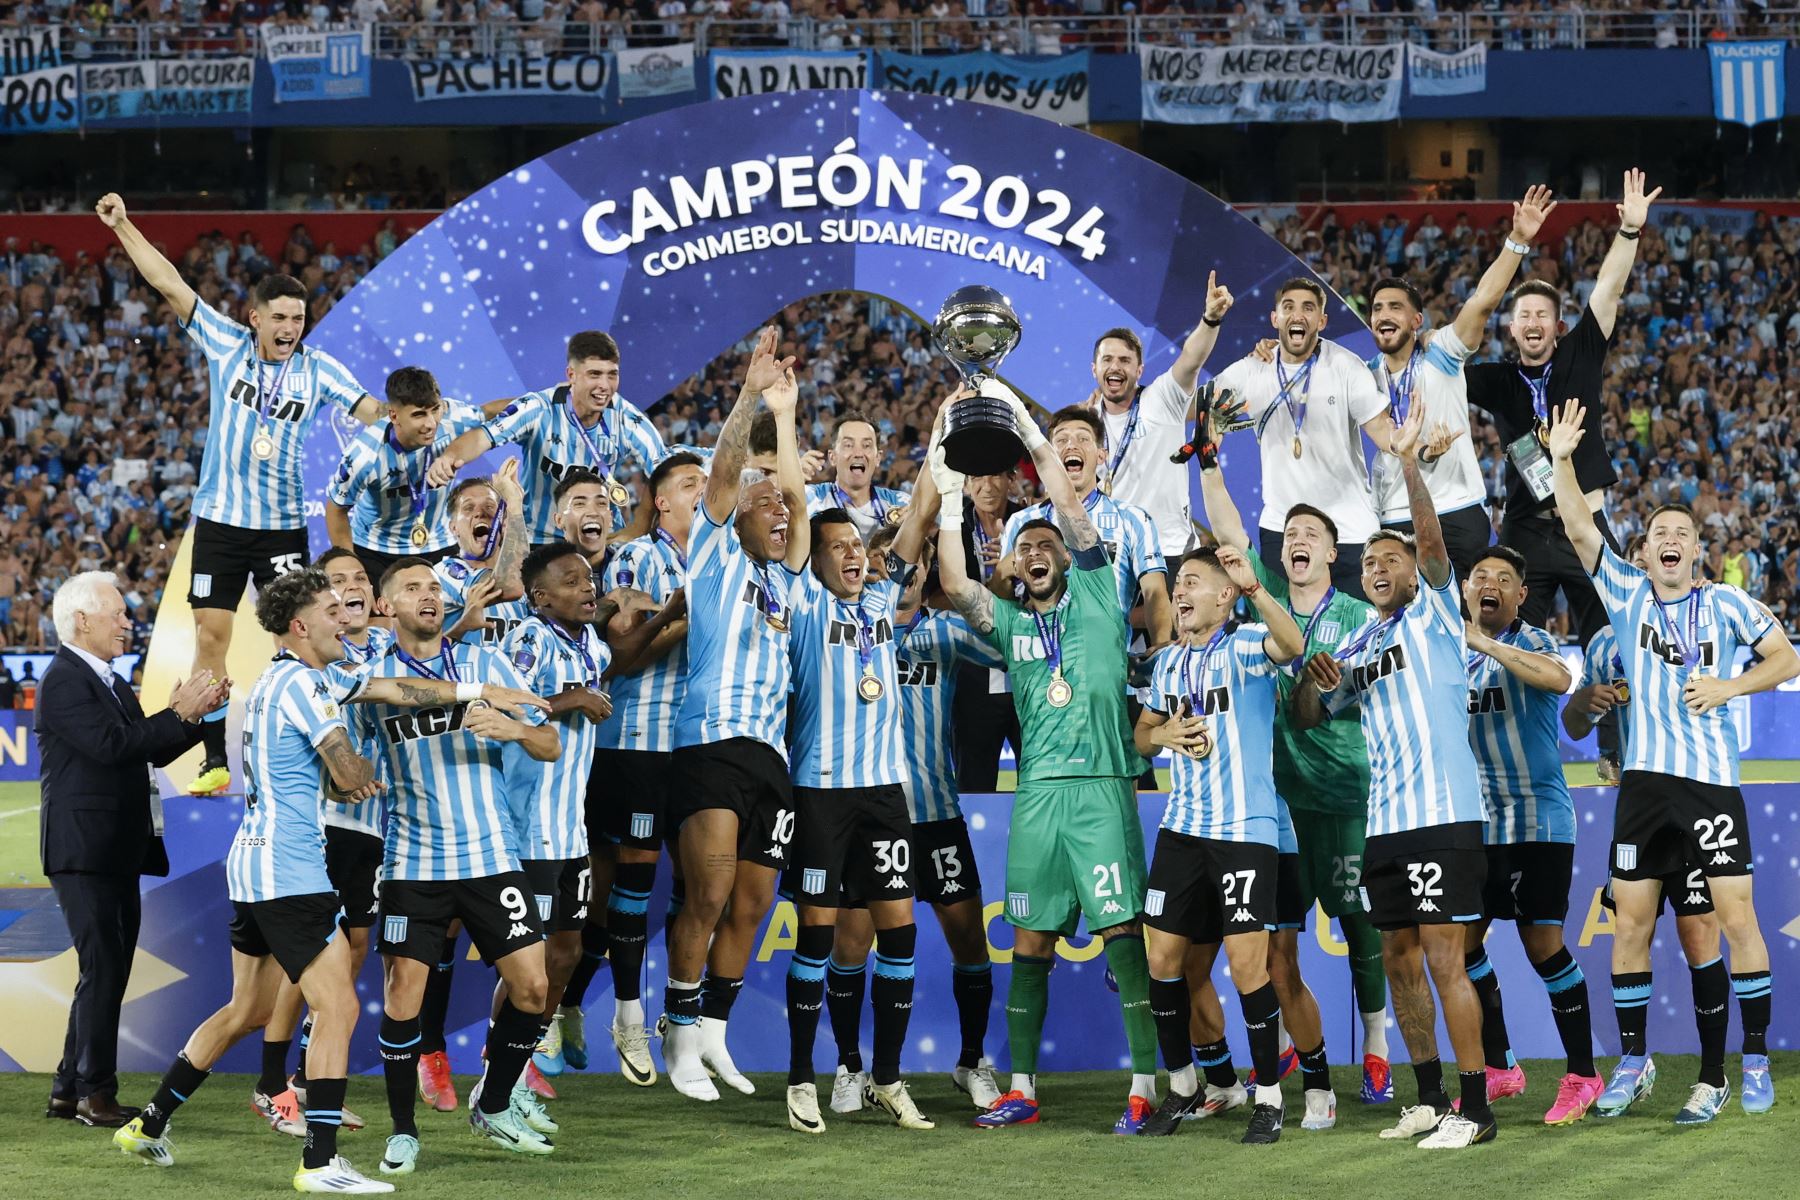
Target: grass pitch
[(618, 1140)]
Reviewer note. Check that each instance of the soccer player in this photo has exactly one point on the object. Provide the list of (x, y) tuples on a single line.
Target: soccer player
[(1075, 848), (1424, 865), (1679, 803), (378, 502), (297, 755), (450, 855), (1144, 426), (1212, 879), (730, 802), (266, 390), (1433, 376), (1516, 680), (1321, 774), (855, 457), (483, 596), (1311, 451), (582, 422), (1128, 537)]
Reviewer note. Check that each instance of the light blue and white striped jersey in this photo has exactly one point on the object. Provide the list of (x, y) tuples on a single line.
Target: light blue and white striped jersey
[(1286, 841), (454, 576), (547, 800), (839, 739), (1408, 674), (1229, 795), (1454, 479), (237, 487), (932, 646), (365, 815), (1128, 533), (377, 480), (645, 701), (883, 507), (738, 669), (1712, 622), (445, 801), (1513, 728), (1601, 663), (280, 846), (543, 424)]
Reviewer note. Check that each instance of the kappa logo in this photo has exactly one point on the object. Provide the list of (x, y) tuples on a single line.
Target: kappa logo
[(950, 888), (1111, 908), (1625, 856), (896, 881), (642, 825), (519, 929), (1153, 902), (1696, 898), (393, 929), (776, 851), (1720, 859), (1350, 896), (546, 904), (1426, 905), (812, 881), (1242, 914), (1018, 904)]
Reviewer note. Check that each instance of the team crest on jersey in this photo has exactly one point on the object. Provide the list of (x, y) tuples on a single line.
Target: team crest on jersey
[(202, 587), (1329, 631), (393, 930), (812, 881), (1018, 904), (1625, 856), (642, 824), (1153, 902), (545, 905)]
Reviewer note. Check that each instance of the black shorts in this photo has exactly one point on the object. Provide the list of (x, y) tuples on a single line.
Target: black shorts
[(295, 929), (1291, 903), (376, 562), (1431, 876), (947, 872), (353, 861), (1664, 825), (748, 778), (1528, 882), (226, 558), (628, 798), (850, 844), (498, 911), (1206, 890), (563, 888), (1685, 892)]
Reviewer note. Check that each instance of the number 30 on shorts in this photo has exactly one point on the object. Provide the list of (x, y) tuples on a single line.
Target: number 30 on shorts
[(893, 856)]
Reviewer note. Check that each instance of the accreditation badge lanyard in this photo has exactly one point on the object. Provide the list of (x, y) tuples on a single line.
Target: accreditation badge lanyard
[(615, 491), (263, 445), (1690, 645), (875, 505), (419, 668), (868, 686), (1400, 391), (577, 644), (416, 492), (1302, 379), (1540, 402), (668, 539), (1530, 452)]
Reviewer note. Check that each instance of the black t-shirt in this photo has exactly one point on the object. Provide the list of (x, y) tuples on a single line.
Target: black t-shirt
[(1577, 370)]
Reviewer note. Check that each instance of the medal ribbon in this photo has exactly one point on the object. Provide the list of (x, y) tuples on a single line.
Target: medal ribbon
[(493, 537), (1190, 686), (1306, 631), (415, 491), (982, 542), (668, 539), (1690, 646), (771, 603), (849, 505), (1400, 396), (1362, 639), (907, 632), (1301, 379), (1540, 394), (1506, 639), (600, 459), (865, 634), (1050, 634), (419, 668), (1118, 458), (578, 644)]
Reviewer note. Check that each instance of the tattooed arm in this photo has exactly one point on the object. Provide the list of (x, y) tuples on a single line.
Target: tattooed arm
[(514, 540), (422, 693), (1428, 533), (973, 601), (352, 777), (733, 444)]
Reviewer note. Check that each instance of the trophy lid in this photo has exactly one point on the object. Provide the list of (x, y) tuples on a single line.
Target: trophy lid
[(976, 327)]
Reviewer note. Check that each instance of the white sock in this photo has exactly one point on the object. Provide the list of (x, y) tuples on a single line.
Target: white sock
[(1025, 1085), (628, 1012), (1375, 1033), (1145, 1086), (1184, 1082), (1287, 1042), (1269, 1093)]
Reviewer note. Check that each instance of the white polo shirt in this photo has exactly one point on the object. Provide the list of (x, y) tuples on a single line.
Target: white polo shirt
[(1455, 479), (1331, 473), (1157, 425)]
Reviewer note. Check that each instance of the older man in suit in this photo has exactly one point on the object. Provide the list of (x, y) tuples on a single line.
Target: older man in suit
[(101, 823)]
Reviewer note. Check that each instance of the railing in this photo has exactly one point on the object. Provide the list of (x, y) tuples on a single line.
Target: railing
[(1507, 30)]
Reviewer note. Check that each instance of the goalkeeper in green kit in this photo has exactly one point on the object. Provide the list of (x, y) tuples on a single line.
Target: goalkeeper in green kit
[(1076, 845), (1321, 774)]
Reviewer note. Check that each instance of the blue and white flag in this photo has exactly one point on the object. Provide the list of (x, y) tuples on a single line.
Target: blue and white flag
[(328, 64), (1429, 73), (1749, 84)]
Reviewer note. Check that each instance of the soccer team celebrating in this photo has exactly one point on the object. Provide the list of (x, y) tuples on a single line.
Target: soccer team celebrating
[(498, 703)]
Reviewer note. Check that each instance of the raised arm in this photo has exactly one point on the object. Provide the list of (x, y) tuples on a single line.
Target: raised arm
[(157, 270), (1615, 268), (1566, 433), (1071, 513), (1529, 215), (921, 514), (1545, 672), (1285, 642), (1222, 515), (1428, 534), (337, 524), (783, 398), (733, 445), (1199, 345), (973, 601), (514, 540), (464, 449)]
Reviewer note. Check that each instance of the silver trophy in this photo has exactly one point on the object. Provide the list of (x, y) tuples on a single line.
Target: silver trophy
[(975, 329)]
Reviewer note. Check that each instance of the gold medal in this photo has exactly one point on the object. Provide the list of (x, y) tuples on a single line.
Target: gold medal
[(896, 515), (1203, 744), (1060, 692), (616, 492), (472, 705), (776, 622), (263, 446), (419, 536), (869, 688), (1622, 689), (1542, 430), (1297, 445)]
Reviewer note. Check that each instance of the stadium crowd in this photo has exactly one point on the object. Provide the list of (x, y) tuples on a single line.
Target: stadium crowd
[(103, 401)]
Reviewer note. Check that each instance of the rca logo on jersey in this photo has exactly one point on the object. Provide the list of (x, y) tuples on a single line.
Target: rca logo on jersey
[(1392, 659), (423, 723), (291, 409), (1019, 904), (924, 674), (1649, 639), (1154, 901), (1487, 700), (393, 930), (812, 881), (844, 633), (1217, 700)]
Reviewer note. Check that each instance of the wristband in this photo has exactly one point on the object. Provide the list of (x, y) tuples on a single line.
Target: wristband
[(950, 515), (1519, 248), (1251, 591), (466, 692), (1630, 235), (1210, 323)]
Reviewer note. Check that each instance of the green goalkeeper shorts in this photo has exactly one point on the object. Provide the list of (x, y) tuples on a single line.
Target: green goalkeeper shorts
[(1331, 861), (1076, 848)]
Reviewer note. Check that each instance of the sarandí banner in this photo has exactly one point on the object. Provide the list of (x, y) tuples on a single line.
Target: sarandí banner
[(1054, 88), (1429, 73), (759, 72), (656, 71), (510, 75), (1226, 85)]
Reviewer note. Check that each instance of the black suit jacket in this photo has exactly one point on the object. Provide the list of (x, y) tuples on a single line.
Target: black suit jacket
[(94, 751)]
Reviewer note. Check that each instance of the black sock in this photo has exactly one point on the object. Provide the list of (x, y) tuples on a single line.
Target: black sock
[(274, 1067), (1172, 1009), (1712, 1016), (324, 1114), (1262, 1017), (178, 1084), (681, 1004), (1215, 1063), (593, 953), (212, 736), (1315, 1068), (399, 1042), (1429, 1078), (1496, 1047), (717, 994), (434, 1007), (845, 990), (1755, 995), (299, 1078), (805, 997), (628, 926), (511, 1039), (892, 996), (1569, 1005), (1631, 1005), (1473, 1093), (677, 902), (973, 988)]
